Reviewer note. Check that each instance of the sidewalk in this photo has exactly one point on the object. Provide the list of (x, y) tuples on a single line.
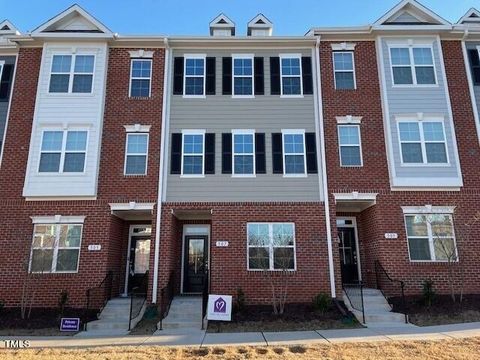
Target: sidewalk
[(198, 338)]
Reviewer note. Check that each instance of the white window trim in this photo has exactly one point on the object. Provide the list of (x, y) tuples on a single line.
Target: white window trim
[(140, 78), (344, 71), (271, 247), (422, 142), (357, 126), (137, 128), (193, 132), (63, 151), (294, 132), (243, 56), (291, 56), (53, 269), (195, 57), (141, 54), (243, 132), (127, 154), (349, 119), (58, 219), (72, 74), (344, 46), (428, 209), (410, 48), (431, 239)]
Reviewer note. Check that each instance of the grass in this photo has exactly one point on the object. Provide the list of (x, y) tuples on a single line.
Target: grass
[(467, 349)]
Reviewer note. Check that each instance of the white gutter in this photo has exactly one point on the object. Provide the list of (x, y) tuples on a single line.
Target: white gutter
[(160, 173), (323, 183)]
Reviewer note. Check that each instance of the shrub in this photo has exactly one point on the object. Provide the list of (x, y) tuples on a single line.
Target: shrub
[(2, 305), (240, 300), (322, 302), (62, 301), (428, 292)]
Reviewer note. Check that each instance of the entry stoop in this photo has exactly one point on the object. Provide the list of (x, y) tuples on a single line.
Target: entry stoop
[(185, 313)]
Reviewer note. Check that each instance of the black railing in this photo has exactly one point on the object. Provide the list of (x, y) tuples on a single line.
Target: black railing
[(391, 289), (166, 297), (205, 294), (138, 297), (97, 297), (354, 294)]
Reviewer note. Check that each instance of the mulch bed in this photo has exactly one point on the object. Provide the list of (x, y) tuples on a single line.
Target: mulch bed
[(296, 317)]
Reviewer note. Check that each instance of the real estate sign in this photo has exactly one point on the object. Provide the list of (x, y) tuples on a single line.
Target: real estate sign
[(70, 324), (219, 308)]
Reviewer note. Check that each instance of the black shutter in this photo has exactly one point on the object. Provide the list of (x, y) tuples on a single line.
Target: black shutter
[(226, 153), (227, 76), (475, 65), (209, 154), (259, 76), (176, 154), (6, 81), (307, 75), (275, 76), (277, 153), (178, 76), (311, 149), (260, 159), (210, 71)]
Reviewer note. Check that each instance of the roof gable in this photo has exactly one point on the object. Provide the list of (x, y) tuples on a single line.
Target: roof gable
[(222, 21), (260, 22), (472, 17), (7, 28), (410, 12)]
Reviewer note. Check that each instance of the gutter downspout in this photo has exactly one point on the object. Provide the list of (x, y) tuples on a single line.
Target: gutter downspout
[(324, 183), (160, 173)]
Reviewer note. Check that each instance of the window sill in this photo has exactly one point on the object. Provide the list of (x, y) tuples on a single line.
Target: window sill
[(354, 89), (295, 175), (432, 262), (351, 166), (192, 176), (408, 86), (134, 175), (271, 270), (143, 98), (69, 95), (427, 165), (299, 96), (244, 176), (243, 96), (66, 174), (194, 96), (54, 273)]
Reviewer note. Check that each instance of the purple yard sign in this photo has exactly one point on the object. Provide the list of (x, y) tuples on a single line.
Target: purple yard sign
[(70, 324), (220, 306)]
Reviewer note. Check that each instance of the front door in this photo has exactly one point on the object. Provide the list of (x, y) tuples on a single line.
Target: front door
[(348, 255), (196, 259), (139, 260)]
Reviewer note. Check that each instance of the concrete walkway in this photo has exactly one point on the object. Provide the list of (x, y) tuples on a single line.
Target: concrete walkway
[(198, 338)]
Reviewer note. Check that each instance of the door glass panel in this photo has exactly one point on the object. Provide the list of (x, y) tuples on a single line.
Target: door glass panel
[(142, 256), (195, 256)]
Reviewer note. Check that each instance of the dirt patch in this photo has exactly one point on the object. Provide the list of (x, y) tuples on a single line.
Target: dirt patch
[(297, 317)]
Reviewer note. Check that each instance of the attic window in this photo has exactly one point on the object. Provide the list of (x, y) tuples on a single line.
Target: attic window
[(5, 28), (260, 21), (474, 15), (221, 21)]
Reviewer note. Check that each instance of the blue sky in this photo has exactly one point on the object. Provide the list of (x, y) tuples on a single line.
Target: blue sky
[(191, 17)]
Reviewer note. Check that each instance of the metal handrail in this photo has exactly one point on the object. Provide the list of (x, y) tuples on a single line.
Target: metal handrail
[(166, 297), (106, 284), (205, 294), (379, 268), (360, 306), (141, 293)]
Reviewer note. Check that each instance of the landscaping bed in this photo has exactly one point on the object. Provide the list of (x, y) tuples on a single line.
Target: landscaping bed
[(297, 317), (442, 311), (42, 322)]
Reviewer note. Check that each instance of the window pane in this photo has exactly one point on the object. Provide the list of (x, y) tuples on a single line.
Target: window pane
[(436, 153), (419, 249), (283, 235), (412, 153), (137, 143), (140, 88), (433, 131), (294, 164), (400, 56), (243, 164), (67, 260), (70, 235), (194, 86), (192, 165), (242, 67), (349, 135), (343, 61), (136, 165), (416, 225), (243, 143), (425, 75), (442, 225), (422, 56), (59, 83), (194, 66), (44, 236), (409, 131), (193, 144), (49, 162), (344, 81), (74, 162), (350, 156), (293, 143), (52, 141), (84, 63), (283, 259), (291, 67), (402, 76), (76, 141), (258, 259), (291, 86), (61, 63), (444, 249), (141, 68), (82, 83), (41, 260), (242, 86), (258, 234)]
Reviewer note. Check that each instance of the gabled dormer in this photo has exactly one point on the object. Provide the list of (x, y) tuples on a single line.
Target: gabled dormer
[(472, 17), (222, 26), (73, 22), (7, 28), (260, 26)]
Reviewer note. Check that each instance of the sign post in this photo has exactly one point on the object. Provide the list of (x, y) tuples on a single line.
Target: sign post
[(219, 307)]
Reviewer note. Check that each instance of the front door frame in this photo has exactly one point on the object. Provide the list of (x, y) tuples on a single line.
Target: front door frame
[(127, 265), (353, 225), (194, 230)]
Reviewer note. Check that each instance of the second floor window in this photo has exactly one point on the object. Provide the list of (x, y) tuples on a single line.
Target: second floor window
[(243, 76), (422, 142), (194, 76), (63, 152), (291, 75), (193, 154), (350, 146), (412, 66), (294, 153), (141, 78), (72, 74), (243, 153), (344, 70), (136, 154)]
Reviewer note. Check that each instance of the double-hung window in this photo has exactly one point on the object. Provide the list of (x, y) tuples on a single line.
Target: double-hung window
[(431, 237), (63, 151), (344, 70), (271, 246), (140, 78), (412, 65), (294, 153), (291, 75), (55, 248), (136, 154), (242, 75), (243, 152), (193, 153), (422, 142), (194, 76), (72, 74), (350, 145)]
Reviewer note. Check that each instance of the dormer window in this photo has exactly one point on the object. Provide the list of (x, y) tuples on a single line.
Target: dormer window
[(72, 74), (412, 65)]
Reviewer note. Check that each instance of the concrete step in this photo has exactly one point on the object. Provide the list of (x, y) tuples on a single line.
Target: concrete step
[(107, 325), (102, 333), (182, 325), (375, 317), (114, 317)]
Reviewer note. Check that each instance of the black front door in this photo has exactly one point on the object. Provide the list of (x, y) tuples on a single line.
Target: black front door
[(139, 260), (196, 259), (348, 255)]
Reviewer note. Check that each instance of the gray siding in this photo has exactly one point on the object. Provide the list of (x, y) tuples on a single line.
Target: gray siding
[(427, 100), (220, 114), (4, 104)]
